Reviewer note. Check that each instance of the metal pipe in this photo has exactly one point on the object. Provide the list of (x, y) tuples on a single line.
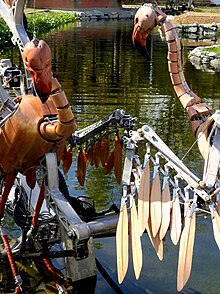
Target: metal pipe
[(104, 226)]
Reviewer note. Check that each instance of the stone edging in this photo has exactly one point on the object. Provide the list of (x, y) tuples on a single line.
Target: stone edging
[(205, 60), (200, 57), (204, 30), (106, 14)]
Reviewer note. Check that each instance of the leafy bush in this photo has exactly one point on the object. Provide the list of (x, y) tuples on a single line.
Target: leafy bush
[(44, 22), (5, 34), (41, 22)]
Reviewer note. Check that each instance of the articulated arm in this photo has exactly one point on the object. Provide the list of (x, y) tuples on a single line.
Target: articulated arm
[(197, 111), (66, 125), (146, 18)]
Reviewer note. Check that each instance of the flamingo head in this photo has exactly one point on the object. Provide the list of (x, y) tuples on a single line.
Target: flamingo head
[(146, 19), (37, 59)]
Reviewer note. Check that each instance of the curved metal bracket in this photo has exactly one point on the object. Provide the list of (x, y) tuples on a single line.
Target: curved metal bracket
[(13, 16)]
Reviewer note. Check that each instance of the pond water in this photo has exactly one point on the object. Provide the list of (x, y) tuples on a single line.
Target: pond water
[(101, 71)]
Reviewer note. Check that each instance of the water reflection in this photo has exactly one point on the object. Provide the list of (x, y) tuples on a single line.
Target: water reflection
[(100, 71)]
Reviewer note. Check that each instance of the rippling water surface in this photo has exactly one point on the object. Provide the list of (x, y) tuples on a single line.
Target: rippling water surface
[(100, 71)]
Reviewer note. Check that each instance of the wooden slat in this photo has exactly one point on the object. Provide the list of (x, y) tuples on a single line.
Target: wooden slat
[(186, 250), (176, 224), (155, 204), (156, 241), (135, 240), (122, 244), (81, 167), (165, 219), (105, 147), (190, 247), (143, 198), (216, 227)]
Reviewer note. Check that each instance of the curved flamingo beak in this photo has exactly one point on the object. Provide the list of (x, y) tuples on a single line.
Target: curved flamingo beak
[(139, 39), (144, 23)]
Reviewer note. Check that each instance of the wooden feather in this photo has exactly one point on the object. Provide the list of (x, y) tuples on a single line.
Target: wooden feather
[(81, 167), (143, 198), (96, 153), (155, 241), (176, 223), (155, 204), (104, 150), (186, 250), (122, 244), (67, 160), (118, 160), (216, 227), (165, 218), (135, 240), (109, 164), (190, 247), (89, 155)]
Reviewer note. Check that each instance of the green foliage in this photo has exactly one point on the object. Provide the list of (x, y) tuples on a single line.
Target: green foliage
[(41, 22), (215, 49), (45, 22), (5, 34)]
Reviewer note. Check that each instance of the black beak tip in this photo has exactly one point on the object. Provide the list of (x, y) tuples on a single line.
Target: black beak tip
[(142, 49), (44, 98)]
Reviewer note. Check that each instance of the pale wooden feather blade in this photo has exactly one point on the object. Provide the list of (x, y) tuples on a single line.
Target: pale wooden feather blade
[(189, 252), (165, 219), (186, 251), (182, 254), (143, 198), (216, 227), (122, 244), (136, 247), (155, 204), (156, 241), (176, 223)]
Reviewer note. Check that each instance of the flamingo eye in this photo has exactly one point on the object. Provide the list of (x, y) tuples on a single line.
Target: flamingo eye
[(137, 20)]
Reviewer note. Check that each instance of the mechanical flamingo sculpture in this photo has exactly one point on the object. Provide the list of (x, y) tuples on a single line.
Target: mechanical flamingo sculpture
[(38, 127), (205, 126), (40, 124), (37, 124), (34, 128)]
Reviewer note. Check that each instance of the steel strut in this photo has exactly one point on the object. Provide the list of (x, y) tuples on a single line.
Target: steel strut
[(146, 133)]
